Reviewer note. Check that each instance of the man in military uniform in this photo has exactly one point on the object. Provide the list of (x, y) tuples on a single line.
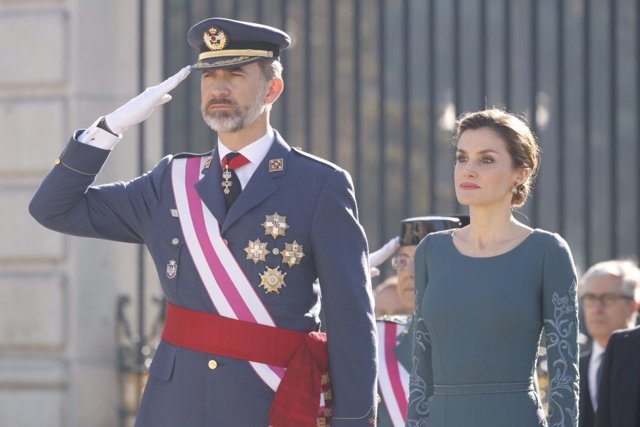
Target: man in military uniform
[(244, 239), (394, 332)]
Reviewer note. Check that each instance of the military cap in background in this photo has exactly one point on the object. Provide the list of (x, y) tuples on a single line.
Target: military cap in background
[(415, 229), (223, 42)]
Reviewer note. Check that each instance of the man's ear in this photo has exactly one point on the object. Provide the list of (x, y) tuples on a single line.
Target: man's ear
[(274, 90)]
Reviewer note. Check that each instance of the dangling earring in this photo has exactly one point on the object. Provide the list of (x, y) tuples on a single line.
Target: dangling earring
[(514, 190)]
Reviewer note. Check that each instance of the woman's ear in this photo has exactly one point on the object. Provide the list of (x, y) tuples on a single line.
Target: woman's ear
[(523, 175)]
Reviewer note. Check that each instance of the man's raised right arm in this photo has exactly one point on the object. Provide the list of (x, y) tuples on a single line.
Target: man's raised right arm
[(65, 201)]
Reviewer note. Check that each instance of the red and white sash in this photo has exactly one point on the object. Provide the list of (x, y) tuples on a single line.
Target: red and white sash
[(393, 378), (232, 294)]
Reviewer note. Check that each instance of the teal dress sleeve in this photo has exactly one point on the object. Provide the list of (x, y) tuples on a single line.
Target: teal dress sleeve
[(421, 379), (560, 311)]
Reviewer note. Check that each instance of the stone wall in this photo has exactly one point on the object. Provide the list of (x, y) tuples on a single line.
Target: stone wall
[(64, 64)]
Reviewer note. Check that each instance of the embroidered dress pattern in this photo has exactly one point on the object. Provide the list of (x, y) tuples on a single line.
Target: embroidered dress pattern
[(478, 322), (558, 334), (420, 399)]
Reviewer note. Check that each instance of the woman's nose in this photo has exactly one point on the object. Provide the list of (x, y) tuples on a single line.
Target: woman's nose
[(469, 169)]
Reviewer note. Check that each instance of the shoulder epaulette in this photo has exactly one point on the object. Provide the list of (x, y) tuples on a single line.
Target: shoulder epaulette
[(184, 155), (299, 151)]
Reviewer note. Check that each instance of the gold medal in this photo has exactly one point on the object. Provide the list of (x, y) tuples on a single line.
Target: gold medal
[(272, 280), (292, 253), (256, 251), (275, 225)]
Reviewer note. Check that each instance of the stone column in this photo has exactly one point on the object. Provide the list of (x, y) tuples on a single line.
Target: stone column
[(65, 63)]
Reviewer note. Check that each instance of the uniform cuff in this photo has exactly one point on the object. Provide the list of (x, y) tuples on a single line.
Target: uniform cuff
[(82, 158), (99, 137)]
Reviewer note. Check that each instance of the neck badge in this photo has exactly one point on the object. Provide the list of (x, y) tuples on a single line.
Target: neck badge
[(226, 180)]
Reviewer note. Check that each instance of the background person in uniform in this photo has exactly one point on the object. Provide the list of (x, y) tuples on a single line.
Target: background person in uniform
[(394, 331), (386, 300), (242, 244), (484, 292), (610, 293), (619, 392)]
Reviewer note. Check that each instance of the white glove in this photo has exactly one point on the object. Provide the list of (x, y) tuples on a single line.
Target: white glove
[(140, 108), (374, 272), (381, 255)]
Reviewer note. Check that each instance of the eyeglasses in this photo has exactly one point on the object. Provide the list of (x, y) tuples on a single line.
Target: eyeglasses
[(402, 263), (607, 300)]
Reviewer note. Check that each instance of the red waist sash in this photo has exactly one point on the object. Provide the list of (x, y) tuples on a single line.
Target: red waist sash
[(303, 354)]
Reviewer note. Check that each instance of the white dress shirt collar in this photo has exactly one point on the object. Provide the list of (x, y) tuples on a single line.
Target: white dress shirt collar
[(597, 352), (255, 152)]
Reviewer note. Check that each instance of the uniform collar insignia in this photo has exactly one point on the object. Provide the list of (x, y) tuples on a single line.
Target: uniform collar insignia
[(276, 165)]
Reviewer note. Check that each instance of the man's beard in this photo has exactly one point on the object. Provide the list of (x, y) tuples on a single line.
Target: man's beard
[(238, 118)]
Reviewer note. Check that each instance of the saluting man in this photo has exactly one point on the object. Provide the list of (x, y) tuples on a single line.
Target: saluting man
[(244, 238), (394, 331)]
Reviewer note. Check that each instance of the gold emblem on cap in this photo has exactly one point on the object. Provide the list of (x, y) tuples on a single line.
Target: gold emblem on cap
[(272, 280), (256, 251), (275, 225), (292, 253), (215, 38)]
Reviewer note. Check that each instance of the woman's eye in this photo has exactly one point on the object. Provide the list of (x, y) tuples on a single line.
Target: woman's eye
[(487, 160), (461, 159)]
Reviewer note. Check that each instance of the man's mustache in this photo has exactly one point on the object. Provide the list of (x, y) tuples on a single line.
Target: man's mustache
[(218, 101)]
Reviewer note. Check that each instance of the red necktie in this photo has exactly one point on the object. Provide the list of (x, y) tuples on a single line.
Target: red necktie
[(230, 182)]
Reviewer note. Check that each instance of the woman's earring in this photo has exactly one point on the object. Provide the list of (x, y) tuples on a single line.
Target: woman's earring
[(514, 190)]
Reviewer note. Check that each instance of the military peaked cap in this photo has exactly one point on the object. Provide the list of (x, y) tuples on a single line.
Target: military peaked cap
[(223, 43)]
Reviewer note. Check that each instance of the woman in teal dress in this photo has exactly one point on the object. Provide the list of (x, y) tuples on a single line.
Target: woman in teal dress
[(485, 293)]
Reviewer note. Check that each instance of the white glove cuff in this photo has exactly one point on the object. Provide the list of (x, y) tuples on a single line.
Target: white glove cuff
[(98, 137)]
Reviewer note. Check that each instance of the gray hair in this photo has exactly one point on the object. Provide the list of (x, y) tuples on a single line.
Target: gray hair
[(625, 270), (271, 68)]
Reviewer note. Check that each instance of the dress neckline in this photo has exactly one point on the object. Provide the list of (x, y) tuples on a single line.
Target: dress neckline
[(515, 248)]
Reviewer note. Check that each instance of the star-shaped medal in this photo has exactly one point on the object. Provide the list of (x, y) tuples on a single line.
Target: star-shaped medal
[(275, 225), (272, 280), (256, 251), (292, 253)]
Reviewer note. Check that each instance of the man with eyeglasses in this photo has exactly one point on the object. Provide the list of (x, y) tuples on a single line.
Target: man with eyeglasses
[(394, 332), (609, 293)]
